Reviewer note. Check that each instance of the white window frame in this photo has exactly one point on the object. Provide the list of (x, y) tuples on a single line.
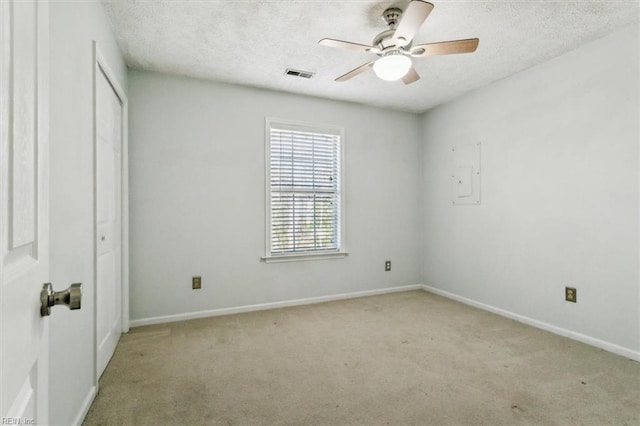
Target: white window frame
[(341, 252)]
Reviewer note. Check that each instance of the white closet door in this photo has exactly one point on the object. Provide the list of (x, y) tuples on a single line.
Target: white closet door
[(108, 219)]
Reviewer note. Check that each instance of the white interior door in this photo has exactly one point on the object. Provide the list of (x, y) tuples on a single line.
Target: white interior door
[(109, 155), (24, 225)]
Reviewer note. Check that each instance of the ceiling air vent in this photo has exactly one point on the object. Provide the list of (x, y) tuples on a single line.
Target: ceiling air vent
[(298, 73)]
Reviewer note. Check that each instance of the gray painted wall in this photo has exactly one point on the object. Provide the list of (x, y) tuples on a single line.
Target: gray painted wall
[(74, 26), (559, 193), (197, 197)]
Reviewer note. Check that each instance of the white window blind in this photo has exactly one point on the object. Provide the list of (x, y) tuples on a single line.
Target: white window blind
[(304, 190)]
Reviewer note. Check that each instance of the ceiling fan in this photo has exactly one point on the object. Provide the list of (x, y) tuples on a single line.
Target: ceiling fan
[(394, 46)]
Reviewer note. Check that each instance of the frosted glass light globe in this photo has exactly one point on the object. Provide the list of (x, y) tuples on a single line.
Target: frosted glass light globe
[(392, 67)]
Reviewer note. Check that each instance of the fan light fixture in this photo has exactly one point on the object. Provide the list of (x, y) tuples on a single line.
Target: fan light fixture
[(392, 67)]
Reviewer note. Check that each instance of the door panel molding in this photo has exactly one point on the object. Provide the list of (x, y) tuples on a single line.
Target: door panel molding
[(24, 123)]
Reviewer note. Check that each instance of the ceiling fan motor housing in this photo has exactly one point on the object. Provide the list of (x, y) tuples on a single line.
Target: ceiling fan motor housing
[(385, 39)]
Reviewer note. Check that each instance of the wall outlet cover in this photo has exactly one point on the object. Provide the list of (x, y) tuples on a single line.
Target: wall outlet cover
[(571, 294), (196, 283)]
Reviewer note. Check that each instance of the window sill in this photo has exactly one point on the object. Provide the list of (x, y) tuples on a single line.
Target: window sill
[(300, 257)]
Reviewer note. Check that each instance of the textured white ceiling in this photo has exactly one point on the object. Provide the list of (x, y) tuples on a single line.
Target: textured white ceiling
[(253, 42)]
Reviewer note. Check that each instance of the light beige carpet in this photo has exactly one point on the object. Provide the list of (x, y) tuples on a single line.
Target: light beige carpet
[(403, 358)]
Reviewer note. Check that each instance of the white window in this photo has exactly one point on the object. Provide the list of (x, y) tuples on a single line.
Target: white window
[(304, 191)]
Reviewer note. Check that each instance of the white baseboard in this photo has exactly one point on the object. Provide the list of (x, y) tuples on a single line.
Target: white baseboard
[(86, 404), (607, 346), (272, 305)]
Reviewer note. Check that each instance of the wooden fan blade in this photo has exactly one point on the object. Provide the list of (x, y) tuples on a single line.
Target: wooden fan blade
[(411, 20), (411, 77), (446, 47), (355, 72), (344, 45)]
